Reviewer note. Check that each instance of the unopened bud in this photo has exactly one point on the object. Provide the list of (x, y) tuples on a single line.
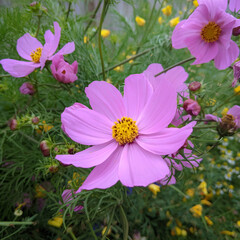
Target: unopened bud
[(27, 89), (33, 4), (12, 124), (35, 120), (192, 107), (194, 86), (53, 169), (45, 148), (71, 151), (236, 31)]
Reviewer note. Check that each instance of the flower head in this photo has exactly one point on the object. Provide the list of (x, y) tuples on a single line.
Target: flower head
[(63, 71), (32, 50), (154, 188), (207, 34), (192, 107), (195, 3), (174, 22), (128, 134), (196, 210), (160, 20), (105, 33), (27, 89), (140, 21), (167, 10)]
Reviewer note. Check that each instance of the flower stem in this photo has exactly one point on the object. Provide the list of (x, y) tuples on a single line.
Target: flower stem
[(109, 224), (226, 101), (175, 65), (38, 27), (179, 191), (7, 224), (69, 9), (125, 223), (92, 231)]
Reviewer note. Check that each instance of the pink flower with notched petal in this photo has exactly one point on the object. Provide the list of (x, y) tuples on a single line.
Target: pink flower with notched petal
[(63, 71), (129, 133), (234, 5), (32, 50), (207, 34)]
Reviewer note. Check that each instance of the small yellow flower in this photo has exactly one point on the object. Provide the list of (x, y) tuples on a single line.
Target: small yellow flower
[(206, 202), (238, 223), (109, 80), (180, 12), (127, 57), (208, 220), (224, 111), (196, 210), (160, 20), (184, 233), (174, 22), (195, 3), (140, 21), (134, 52), (190, 192), (228, 233), (237, 90), (118, 68), (47, 127), (105, 33), (85, 39), (154, 189), (104, 230), (203, 188), (167, 11), (40, 191), (56, 221)]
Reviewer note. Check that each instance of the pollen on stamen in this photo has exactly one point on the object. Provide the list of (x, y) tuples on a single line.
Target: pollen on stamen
[(211, 32), (36, 55), (125, 130)]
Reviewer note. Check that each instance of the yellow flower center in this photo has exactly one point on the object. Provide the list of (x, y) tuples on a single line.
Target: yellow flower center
[(36, 55), (125, 130), (211, 32)]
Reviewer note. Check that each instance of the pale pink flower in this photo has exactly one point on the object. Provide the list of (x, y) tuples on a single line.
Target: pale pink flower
[(234, 5), (129, 133), (207, 34), (32, 50), (63, 71), (27, 89)]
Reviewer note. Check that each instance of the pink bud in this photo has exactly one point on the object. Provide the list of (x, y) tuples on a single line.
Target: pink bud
[(45, 148), (63, 71), (194, 86), (236, 73), (192, 107), (236, 31), (71, 151), (35, 120), (27, 89), (12, 123), (33, 4)]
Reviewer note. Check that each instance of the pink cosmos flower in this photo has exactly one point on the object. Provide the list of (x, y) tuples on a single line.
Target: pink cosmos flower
[(32, 50), (234, 5), (63, 71), (129, 133), (207, 34)]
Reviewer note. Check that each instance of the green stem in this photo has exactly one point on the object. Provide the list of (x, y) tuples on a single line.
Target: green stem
[(175, 65), (179, 191), (28, 137), (125, 223), (92, 231), (72, 234), (69, 9), (127, 60), (8, 224), (38, 27), (226, 101), (93, 16), (203, 127), (106, 2), (109, 224), (6, 75)]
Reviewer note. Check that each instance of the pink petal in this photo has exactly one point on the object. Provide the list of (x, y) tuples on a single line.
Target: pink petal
[(75, 67), (234, 5), (86, 126), (179, 36), (137, 91), (104, 175), (226, 57), (140, 168), (159, 110), (18, 68), (212, 117), (166, 141), (166, 180), (66, 49), (106, 99), (235, 111), (26, 45), (90, 157), (213, 4)]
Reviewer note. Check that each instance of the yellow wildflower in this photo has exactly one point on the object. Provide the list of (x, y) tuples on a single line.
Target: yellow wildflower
[(134, 52), (160, 20), (167, 11), (40, 191), (118, 68), (154, 189), (203, 188), (195, 3), (184, 233), (196, 210), (85, 39), (208, 220), (190, 192), (109, 80), (56, 221), (104, 230), (127, 57), (238, 223), (174, 22), (180, 12), (228, 233), (105, 33), (224, 111), (206, 202), (237, 90), (140, 21)]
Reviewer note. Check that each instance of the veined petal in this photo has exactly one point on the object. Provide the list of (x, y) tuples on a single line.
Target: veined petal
[(140, 168), (137, 91), (179, 36), (90, 157), (26, 45), (86, 126), (235, 111), (18, 68), (104, 175), (159, 110), (106, 99), (213, 4), (66, 49), (166, 141)]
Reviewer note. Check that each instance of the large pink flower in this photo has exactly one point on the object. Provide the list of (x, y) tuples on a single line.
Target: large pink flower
[(129, 133), (234, 5), (207, 34), (32, 50)]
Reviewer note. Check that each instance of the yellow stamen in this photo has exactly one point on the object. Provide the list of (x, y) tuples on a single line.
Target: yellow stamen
[(36, 55), (125, 130), (211, 32)]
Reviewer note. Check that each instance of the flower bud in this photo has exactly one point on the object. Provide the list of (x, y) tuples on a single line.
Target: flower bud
[(35, 120), (236, 31), (227, 126), (45, 148), (192, 107), (33, 4), (236, 73), (194, 86), (53, 169), (27, 89), (12, 123), (71, 151)]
